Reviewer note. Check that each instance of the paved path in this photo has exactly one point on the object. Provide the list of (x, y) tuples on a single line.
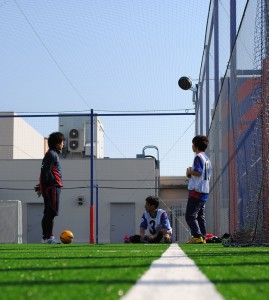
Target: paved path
[(173, 276)]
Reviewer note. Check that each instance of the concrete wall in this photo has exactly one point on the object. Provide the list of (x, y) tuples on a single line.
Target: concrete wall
[(119, 180)]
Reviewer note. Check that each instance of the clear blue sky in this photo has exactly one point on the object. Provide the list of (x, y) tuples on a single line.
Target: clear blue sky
[(106, 55)]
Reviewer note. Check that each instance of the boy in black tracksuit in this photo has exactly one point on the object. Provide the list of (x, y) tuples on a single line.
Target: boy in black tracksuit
[(50, 184)]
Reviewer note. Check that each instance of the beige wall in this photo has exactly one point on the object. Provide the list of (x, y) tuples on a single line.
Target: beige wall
[(173, 189)]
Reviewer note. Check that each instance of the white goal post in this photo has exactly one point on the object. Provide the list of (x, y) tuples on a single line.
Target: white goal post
[(10, 222)]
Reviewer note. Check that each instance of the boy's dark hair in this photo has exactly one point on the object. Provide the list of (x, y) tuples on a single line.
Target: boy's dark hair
[(200, 142), (153, 200), (54, 139)]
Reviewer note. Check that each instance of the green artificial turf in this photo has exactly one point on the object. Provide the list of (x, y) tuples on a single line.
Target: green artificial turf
[(31, 271), (237, 272)]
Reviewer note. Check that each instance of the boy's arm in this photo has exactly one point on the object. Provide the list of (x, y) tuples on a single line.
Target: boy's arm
[(143, 227), (198, 168), (190, 172), (164, 222), (46, 169), (142, 233)]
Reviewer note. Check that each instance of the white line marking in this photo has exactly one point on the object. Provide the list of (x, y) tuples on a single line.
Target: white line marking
[(173, 276)]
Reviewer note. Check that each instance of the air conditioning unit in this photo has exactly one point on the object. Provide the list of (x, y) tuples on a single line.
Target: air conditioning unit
[(73, 145), (73, 134), (75, 141)]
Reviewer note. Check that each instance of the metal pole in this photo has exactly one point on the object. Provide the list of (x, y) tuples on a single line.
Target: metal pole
[(233, 206), (216, 51), (91, 171), (96, 212)]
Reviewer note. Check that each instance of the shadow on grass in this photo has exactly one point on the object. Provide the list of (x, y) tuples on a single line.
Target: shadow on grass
[(226, 253), (80, 257), (61, 268), (156, 265), (241, 281), (61, 282), (130, 281), (239, 264), (83, 247)]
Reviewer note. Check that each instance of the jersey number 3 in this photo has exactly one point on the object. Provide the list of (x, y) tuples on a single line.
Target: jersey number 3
[(152, 229)]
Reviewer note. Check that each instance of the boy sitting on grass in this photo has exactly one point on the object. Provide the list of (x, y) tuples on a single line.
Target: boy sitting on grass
[(156, 221)]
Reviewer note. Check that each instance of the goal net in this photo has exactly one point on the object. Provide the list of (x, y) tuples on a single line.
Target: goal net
[(10, 222)]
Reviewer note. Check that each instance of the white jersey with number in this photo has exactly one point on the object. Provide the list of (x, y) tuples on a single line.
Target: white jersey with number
[(201, 184), (154, 225)]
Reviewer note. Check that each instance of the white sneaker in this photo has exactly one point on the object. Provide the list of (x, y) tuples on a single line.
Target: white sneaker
[(51, 240), (44, 241)]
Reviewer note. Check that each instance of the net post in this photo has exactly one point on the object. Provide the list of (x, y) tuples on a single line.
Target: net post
[(91, 171)]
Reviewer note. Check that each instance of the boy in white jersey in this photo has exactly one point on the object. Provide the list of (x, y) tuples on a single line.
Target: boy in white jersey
[(198, 187), (156, 221)]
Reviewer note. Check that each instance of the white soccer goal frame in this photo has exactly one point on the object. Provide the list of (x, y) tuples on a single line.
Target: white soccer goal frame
[(10, 222)]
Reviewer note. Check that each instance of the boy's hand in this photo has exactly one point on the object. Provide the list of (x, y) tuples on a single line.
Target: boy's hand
[(37, 190), (188, 172)]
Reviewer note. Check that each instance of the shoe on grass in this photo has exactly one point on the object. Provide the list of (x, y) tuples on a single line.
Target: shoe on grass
[(127, 239), (51, 240), (195, 240)]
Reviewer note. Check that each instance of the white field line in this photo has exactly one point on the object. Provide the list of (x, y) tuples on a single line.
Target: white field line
[(173, 276)]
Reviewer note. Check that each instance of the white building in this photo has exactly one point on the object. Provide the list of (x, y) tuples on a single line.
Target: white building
[(18, 140), (121, 185)]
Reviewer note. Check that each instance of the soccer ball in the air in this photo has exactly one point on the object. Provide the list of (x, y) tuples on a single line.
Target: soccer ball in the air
[(66, 237)]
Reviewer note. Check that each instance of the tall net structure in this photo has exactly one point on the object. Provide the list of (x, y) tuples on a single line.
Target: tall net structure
[(239, 134), (251, 149), (258, 208)]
